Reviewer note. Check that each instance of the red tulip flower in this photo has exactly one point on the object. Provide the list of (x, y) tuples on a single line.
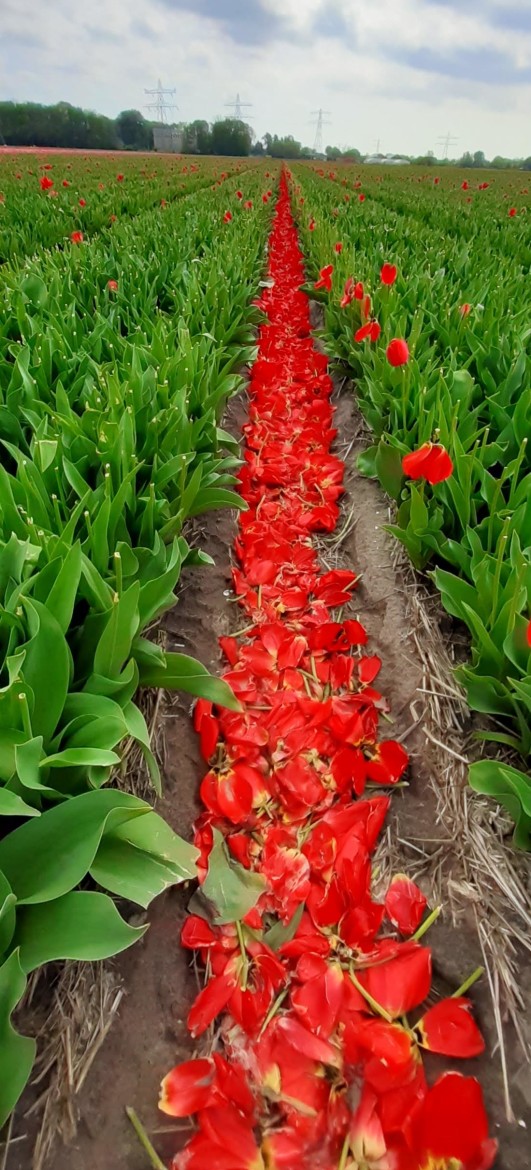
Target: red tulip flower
[(248, 204), (325, 278), (388, 273), (46, 183), (188, 1088), (338, 248), (512, 211), (405, 904), (371, 330), (77, 237), (397, 352), (465, 309), (82, 203), (464, 186), (361, 198), (239, 194), (348, 292), (311, 225), (66, 183), (119, 178), (449, 1029), (227, 217), (528, 634), (431, 462), (451, 1126), (112, 285)]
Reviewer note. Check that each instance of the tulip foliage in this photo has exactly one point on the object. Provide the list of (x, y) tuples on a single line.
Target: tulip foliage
[(427, 305), (48, 199), (320, 987), (116, 360)]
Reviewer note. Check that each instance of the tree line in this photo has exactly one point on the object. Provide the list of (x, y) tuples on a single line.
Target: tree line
[(31, 124)]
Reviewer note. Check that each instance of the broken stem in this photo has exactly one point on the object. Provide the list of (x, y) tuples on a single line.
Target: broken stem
[(142, 1136)]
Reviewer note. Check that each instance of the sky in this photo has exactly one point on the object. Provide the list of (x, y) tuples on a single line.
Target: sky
[(401, 73)]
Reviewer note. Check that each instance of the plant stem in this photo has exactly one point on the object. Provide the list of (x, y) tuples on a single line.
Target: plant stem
[(473, 978), (376, 1007), (243, 949), (344, 1153), (424, 926), (142, 1136)]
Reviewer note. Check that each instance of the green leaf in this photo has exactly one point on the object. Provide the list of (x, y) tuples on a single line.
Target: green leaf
[(35, 290), (140, 859), (82, 925), (81, 757), (231, 889), (8, 902), (282, 932), (114, 647), (510, 788), (17, 1053), (366, 462), (62, 596), (12, 805), (209, 498), (388, 464), (47, 857), (47, 658), (182, 673)]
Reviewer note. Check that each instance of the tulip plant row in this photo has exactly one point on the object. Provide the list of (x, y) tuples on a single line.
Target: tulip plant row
[(117, 357), (424, 287), (54, 199), (321, 987)]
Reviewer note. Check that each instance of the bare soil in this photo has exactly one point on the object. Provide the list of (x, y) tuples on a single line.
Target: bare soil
[(150, 1034)]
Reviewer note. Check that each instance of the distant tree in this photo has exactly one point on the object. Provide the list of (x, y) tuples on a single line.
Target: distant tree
[(479, 159), (287, 147), (197, 138), (425, 160), (466, 160), (134, 131), (334, 152), (232, 137), (258, 147), (30, 124), (526, 165)]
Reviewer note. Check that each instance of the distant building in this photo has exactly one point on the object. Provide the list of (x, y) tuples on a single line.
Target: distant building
[(386, 160), (168, 139)]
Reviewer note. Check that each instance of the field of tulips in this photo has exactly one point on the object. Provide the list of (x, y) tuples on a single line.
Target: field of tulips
[(135, 292), (118, 353), (49, 199), (424, 282)]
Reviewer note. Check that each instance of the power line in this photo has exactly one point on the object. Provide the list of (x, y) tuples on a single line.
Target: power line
[(238, 106), (446, 143), (323, 119), (160, 105)]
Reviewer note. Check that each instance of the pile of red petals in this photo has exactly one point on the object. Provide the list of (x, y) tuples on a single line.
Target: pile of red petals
[(321, 989)]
